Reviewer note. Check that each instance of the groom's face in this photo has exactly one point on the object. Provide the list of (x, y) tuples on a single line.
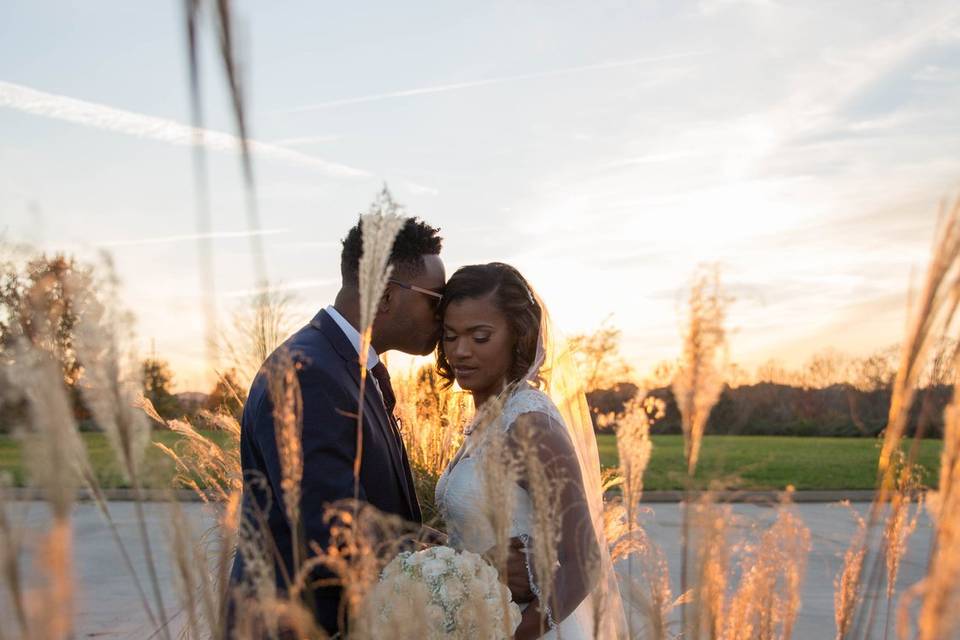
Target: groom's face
[(413, 314)]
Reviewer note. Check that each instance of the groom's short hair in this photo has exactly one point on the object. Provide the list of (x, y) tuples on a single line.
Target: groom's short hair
[(414, 240)]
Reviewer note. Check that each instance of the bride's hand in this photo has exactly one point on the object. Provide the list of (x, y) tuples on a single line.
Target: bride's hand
[(518, 578), (430, 537)]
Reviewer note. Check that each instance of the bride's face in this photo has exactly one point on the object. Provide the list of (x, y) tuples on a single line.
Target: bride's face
[(478, 344)]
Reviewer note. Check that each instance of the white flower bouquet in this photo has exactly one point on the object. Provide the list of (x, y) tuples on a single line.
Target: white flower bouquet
[(462, 594)]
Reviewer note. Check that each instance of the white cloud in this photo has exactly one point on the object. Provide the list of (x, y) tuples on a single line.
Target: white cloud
[(456, 86), (297, 285), (216, 235), (106, 118)]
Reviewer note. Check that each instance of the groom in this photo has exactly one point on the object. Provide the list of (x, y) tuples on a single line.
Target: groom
[(326, 351)]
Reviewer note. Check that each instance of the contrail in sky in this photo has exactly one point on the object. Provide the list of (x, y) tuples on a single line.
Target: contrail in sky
[(100, 116), (489, 81), (194, 236), (289, 286)]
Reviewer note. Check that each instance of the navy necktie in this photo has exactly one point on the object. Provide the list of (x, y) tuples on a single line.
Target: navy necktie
[(386, 389)]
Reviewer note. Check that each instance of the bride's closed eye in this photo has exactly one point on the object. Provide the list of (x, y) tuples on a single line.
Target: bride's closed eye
[(479, 337)]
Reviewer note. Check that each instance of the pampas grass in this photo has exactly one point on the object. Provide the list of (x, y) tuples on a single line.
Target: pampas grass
[(707, 571), (939, 591), (767, 599), (762, 605), (284, 387), (645, 582), (378, 228), (110, 387), (932, 314), (544, 489), (846, 586), (699, 378)]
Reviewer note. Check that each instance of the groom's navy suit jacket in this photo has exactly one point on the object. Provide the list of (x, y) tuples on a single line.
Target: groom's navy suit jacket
[(329, 377)]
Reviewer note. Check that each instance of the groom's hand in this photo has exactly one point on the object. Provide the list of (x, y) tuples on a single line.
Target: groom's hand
[(518, 578)]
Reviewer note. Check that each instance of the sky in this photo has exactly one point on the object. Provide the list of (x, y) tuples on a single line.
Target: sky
[(606, 149)]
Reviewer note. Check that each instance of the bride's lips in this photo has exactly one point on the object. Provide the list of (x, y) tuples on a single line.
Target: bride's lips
[(464, 372)]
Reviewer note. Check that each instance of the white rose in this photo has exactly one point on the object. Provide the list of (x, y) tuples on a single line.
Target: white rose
[(433, 569), (443, 552), (464, 564), (488, 574), (476, 588), (451, 589), (515, 615), (471, 556)]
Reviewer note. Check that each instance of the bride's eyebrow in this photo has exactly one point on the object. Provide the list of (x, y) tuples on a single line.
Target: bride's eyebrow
[(470, 328)]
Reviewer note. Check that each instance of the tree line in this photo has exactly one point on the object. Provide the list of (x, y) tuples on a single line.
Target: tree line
[(831, 395)]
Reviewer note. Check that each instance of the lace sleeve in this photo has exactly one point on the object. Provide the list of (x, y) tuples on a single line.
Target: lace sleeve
[(550, 473), (529, 401)]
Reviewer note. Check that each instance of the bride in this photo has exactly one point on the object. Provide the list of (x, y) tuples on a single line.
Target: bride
[(498, 344)]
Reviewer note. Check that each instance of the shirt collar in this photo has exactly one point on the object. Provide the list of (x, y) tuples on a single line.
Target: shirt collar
[(353, 336)]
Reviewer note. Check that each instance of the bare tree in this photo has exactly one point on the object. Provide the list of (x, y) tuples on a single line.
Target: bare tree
[(598, 357), (256, 330)]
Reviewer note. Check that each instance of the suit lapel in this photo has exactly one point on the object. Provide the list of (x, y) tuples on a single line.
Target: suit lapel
[(373, 404)]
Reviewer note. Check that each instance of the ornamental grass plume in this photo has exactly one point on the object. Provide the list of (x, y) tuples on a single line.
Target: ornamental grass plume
[(846, 591), (432, 419), (110, 382), (939, 591), (110, 385), (767, 599), (287, 402), (630, 541), (899, 526), (699, 378), (708, 569), (634, 446), (211, 471), (379, 228), (643, 574), (499, 473), (545, 490), (256, 596), (11, 548), (55, 457), (53, 451), (931, 316), (362, 541), (197, 594)]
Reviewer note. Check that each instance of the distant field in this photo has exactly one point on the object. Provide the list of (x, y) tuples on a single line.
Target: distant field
[(747, 462), (771, 462), (158, 469)]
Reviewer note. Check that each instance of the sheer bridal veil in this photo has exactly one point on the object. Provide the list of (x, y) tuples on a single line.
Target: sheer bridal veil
[(555, 372)]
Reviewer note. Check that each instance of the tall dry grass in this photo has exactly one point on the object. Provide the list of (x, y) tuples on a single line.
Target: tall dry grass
[(763, 604), (931, 317), (432, 419), (699, 378)]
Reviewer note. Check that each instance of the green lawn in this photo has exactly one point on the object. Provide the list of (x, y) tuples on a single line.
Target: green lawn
[(746, 462), (771, 462), (158, 468)]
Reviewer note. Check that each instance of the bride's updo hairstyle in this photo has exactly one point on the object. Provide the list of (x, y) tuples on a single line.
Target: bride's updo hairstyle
[(512, 296)]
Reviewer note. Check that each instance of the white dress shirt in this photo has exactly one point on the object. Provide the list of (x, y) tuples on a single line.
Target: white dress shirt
[(354, 337)]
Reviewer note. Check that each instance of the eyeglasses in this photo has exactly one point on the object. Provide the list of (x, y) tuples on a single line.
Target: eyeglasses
[(413, 287)]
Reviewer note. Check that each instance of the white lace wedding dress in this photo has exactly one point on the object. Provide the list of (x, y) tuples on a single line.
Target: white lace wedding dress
[(460, 495)]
